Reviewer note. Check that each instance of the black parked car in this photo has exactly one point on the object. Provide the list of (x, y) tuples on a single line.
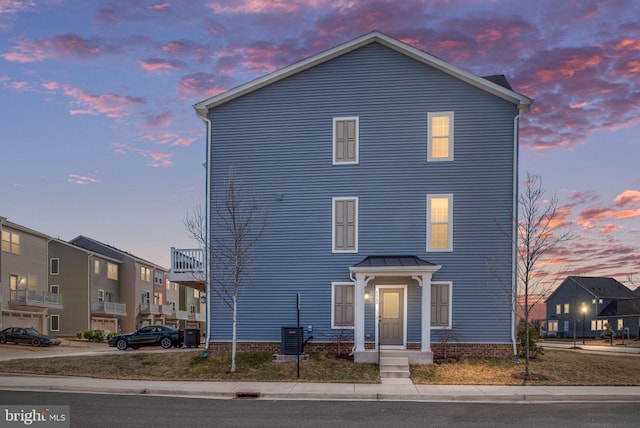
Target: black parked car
[(29, 336), (150, 335)]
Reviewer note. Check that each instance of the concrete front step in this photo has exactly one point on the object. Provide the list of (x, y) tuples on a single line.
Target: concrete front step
[(394, 367)]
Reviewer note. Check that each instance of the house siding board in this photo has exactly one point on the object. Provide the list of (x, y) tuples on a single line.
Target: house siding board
[(294, 116)]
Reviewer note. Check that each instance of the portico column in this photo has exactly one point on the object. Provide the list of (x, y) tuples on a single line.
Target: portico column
[(425, 327), (361, 283)]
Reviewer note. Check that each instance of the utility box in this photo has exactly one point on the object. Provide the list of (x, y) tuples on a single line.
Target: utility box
[(292, 340), (191, 337)]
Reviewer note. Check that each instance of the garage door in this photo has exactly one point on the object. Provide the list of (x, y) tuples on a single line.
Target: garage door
[(106, 324), (22, 319)]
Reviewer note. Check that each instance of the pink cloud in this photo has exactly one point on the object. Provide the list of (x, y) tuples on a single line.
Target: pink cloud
[(202, 85), (170, 138), (156, 159), (52, 86), (628, 197), (155, 65), (111, 105), (611, 227), (40, 49), (160, 6)]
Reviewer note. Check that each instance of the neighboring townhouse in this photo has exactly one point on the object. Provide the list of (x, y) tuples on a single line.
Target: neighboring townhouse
[(26, 298), (137, 279), (186, 288), (583, 305), (389, 178), (90, 281)]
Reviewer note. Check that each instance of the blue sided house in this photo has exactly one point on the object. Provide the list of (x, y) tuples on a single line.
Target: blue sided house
[(389, 179)]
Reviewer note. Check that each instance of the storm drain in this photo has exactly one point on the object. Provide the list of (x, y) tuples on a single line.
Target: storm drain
[(247, 394)]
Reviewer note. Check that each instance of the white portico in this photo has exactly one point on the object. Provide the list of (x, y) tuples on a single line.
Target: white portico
[(391, 305)]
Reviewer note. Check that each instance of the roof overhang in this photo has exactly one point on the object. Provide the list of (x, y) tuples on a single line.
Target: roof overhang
[(521, 101), (394, 266)]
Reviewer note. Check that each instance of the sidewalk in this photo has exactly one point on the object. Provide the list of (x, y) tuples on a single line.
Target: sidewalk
[(405, 391), (601, 349)]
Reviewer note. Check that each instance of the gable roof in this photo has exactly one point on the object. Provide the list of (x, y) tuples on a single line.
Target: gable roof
[(619, 308), (491, 84), (109, 250), (601, 288)]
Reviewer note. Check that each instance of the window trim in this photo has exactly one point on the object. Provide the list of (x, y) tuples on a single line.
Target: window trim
[(54, 289), (112, 271), (51, 318), (51, 262), (356, 161), (450, 304), (8, 245), (430, 116), (334, 326), (449, 197), (333, 224)]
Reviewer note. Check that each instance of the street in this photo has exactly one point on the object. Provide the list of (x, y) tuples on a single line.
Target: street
[(100, 410)]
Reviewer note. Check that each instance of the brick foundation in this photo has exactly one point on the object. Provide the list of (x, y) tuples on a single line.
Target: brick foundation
[(499, 350)]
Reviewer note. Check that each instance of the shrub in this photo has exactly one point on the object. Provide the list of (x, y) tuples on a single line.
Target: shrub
[(534, 349), (92, 335)]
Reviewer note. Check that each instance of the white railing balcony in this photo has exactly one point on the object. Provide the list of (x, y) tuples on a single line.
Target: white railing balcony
[(149, 309), (41, 299), (187, 265), (197, 316), (173, 314), (109, 308)]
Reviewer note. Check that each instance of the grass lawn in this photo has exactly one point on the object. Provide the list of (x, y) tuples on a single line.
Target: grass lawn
[(555, 367)]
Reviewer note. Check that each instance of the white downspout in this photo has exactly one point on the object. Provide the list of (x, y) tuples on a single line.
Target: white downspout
[(514, 280), (207, 234)]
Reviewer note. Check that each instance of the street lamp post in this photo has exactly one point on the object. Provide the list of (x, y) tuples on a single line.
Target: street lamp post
[(584, 317)]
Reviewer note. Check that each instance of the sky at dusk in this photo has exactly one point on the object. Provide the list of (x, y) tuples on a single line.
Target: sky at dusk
[(98, 136)]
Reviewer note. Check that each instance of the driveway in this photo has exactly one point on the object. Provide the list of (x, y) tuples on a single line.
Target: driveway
[(66, 348)]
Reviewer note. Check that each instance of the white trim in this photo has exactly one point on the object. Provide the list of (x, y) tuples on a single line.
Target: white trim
[(333, 306), (524, 102), (333, 223), (404, 315), (450, 320), (449, 247), (430, 116), (54, 287), (51, 266), (333, 141), (51, 318)]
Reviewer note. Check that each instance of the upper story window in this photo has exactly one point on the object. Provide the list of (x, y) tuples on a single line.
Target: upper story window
[(345, 225), (54, 266), (440, 222), (345, 140), (112, 271), (157, 277), (96, 267), (10, 242), (145, 274), (440, 136)]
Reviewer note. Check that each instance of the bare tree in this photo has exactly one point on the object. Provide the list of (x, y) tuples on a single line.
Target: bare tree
[(237, 224), (537, 235)]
